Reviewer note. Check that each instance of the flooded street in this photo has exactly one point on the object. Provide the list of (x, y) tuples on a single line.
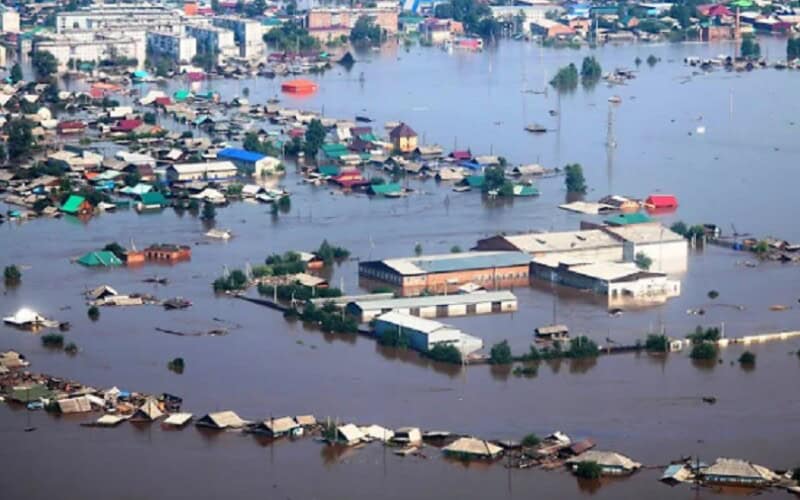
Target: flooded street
[(741, 172)]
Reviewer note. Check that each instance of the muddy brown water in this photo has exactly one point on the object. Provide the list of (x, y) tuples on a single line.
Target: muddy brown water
[(648, 407)]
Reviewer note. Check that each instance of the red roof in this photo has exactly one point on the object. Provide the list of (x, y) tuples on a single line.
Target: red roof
[(662, 201), (715, 10), (297, 132), (127, 125), (461, 155), (163, 101), (349, 178), (71, 125), (195, 76)]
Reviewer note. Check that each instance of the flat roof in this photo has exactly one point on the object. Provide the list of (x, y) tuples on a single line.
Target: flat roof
[(436, 300), (605, 271), (645, 233), (562, 241), (443, 263)]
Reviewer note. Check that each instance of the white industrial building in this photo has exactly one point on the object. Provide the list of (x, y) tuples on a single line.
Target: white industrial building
[(174, 46), (524, 14), (213, 170), (424, 334), (668, 250), (9, 20), (247, 33), (435, 305), (617, 280)]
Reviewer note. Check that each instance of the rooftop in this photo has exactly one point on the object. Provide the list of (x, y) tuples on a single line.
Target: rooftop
[(444, 263), (413, 322), (644, 233), (560, 242), (435, 300)]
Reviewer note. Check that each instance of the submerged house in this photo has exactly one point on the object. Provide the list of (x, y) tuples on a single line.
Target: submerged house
[(101, 258), (403, 138), (76, 205), (221, 420), (734, 472), (471, 448), (278, 427), (148, 412), (611, 463)]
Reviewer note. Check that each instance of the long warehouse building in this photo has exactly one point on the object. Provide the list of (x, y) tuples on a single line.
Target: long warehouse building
[(424, 334), (444, 274), (436, 306)]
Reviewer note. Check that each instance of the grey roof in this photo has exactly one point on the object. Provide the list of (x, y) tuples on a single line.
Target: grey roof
[(606, 459), (435, 300), (731, 467), (444, 263)]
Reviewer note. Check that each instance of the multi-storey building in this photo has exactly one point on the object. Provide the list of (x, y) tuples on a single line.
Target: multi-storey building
[(211, 39), (247, 33), (176, 47)]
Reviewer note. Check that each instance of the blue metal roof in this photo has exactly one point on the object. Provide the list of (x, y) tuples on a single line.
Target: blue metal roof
[(240, 155), (472, 260)]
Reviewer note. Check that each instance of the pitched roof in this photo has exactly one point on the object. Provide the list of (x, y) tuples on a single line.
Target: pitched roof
[(280, 425), (472, 446), (153, 198), (731, 467), (401, 131), (606, 459), (101, 258), (222, 420), (73, 204), (626, 219), (149, 410)]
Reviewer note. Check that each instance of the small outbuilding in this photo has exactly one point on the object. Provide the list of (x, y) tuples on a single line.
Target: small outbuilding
[(471, 448), (221, 420)]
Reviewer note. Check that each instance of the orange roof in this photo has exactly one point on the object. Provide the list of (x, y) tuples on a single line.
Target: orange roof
[(299, 86)]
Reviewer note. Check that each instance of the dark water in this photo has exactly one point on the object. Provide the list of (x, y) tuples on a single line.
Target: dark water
[(647, 407)]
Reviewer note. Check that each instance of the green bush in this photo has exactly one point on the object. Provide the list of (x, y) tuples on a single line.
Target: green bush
[(445, 353), (176, 365), (582, 347), (656, 343), (71, 348), (53, 340), (236, 280), (747, 358), (394, 338), (531, 440), (12, 275), (704, 351), (330, 253), (500, 354), (94, 313), (588, 470)]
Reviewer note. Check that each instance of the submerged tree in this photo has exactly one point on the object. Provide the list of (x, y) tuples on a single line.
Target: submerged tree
[(643, 261), (500, 354), (12, 275), (591, 71), (575, 181), (566, 78), (750, 48)]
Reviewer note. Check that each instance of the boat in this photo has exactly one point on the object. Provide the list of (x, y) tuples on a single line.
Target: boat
[(220, 234), (462, 189), (536, 128), (615, 99), (363, 119), (176, 303)]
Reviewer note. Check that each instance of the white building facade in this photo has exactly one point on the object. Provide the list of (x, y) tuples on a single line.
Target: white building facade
[(174, 46)]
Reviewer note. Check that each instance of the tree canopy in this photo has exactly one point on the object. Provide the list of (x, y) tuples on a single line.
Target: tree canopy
[(575, 181), (20, 138), (566, 78), (290, 36), (44, 63), (366, 31)]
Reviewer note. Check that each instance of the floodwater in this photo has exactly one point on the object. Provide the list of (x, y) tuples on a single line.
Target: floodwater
[(741, 171)]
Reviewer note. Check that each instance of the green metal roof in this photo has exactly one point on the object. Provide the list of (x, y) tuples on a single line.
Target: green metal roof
[(525, 190), (73, 204), (32, 393), (388, 188), (476, 181), (334, 150), (153, 198), (328, 170), (626, 219), (181, 95), (102, 258)]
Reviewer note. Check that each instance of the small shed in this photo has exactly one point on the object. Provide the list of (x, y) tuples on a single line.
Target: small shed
[(661, 201), (76, 205), (75, 405), (407, 435), (277, 427), (148, 412), (178, 419), (349, 434)]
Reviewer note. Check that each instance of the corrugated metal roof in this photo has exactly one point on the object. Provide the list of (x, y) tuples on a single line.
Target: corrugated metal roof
[(413, 322), (443, 263), (240, 155), (435, 300), (606, 459), (472, 446), (561, 241)]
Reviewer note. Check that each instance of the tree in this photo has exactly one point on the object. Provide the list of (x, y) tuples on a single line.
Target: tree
[(591, 71), (747, 358), (252, 142), (713, 294), (656, 343), (20, 138), (750, 48), (455, 249), (209, 211), (643, 261), (94, 313), (704, 351), (149, 118), (793, 49), (445, 353), (315, 137), (582, 347), (418, 249), (132, 178), (255, 8), (366, 32), (290, 36), (215, 6), (12, 275), (574, 180), (679, 227), (44, 63), (588, 470), (500, 354), (16, 73), (566, 78), (651, 60), (530, 440)]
